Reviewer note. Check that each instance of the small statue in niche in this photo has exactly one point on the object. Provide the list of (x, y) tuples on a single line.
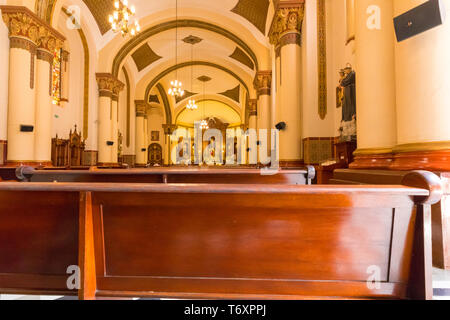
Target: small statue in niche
[(340, 91), (348, 85)]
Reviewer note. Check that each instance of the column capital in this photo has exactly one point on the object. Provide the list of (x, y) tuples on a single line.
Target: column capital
[(23, 23), (108, 85), (253, 107), (169, 128), (141, 108), (263, 83), (287, 22)]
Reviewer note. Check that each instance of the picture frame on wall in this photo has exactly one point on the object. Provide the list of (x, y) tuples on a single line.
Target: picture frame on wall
[(155, 136)]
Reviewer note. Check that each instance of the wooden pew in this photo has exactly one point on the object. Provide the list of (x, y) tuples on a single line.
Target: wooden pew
[(172, 175), (219, 241)]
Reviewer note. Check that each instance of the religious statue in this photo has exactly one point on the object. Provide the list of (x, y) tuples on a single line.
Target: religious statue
[(348, 85), (340, 91)]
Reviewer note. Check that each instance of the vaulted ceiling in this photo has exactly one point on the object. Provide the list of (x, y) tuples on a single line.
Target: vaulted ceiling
[(255, 11)]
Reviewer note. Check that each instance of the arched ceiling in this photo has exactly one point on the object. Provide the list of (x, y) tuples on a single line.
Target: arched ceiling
[(209, 109), (232, 49), (254, 11)]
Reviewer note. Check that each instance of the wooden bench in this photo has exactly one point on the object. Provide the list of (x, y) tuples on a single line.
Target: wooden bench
[(169, 175), (218, 241)]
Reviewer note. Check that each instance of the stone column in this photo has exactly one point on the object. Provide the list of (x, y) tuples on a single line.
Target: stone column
[(26, 132), (141, 118), (375, 83), (263, 86), (168, 130), (253, 114), (44, 103), (285, 35), (423, 98), (109, 87)]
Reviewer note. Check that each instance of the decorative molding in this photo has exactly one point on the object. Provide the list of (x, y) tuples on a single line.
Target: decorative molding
[(322, 57), (193, 40), (422, 146), (204, 78), (263, 83), (290, 38), (288, 19), (23, 23), (255, 11), (127, 80), (167, 109), (162, 27), (372, 151), (241, 57)]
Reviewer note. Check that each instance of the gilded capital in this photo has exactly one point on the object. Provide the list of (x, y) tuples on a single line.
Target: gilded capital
[(108, 85), (141, 108), (288, 19), (23, 23), (263, 82), (253, 107)]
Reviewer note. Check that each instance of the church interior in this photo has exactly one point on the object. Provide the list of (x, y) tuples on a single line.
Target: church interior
[(233, 149)]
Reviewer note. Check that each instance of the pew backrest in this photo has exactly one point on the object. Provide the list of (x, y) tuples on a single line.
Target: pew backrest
[(302, 176), (220, 241)]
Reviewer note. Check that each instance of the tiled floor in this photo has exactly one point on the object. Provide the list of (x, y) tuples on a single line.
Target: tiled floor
[(441, 288)]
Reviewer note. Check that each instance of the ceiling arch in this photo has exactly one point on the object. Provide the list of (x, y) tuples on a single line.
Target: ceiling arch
[(211, 97), (167, 109), (209, 108), (156, 80), (185, 23)]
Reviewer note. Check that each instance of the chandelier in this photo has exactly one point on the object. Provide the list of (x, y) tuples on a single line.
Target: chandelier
[(120, 19), (176, 90), (192, 105), (204, 125)]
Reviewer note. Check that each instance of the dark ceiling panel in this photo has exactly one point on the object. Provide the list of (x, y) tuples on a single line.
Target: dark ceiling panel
[(254, 11), (144, 56)]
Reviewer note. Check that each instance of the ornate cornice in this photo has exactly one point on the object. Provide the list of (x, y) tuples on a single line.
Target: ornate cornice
[(253, 107), (288, 19), (23, 23), (141, 108), (108, 85), (263, 83)]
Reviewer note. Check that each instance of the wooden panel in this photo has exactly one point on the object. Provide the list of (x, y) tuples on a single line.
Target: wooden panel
[(162, 235), (38, 239)]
